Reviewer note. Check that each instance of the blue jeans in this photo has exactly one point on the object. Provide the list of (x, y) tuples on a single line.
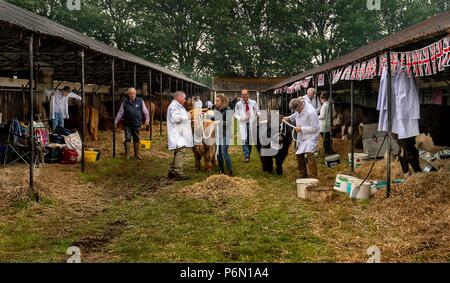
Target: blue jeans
[(247, 148), (224, 156), (58, 121)]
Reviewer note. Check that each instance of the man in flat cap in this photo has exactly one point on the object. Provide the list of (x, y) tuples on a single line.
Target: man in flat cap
[(307, 129)]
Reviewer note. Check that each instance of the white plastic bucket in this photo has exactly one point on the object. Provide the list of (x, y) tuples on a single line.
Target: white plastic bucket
[(333, 161), (302, 184), (361, 193), (360, 159)]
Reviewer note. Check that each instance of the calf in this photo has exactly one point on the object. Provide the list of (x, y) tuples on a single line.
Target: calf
[(283, 141), (206, 131)]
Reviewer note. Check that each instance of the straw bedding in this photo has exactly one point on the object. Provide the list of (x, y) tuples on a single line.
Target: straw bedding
[(219, 187), (412, 225)]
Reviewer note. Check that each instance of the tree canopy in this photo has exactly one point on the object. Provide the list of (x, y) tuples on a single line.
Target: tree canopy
[(249, 38)]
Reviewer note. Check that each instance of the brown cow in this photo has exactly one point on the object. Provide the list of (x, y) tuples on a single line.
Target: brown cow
[(207, 148)]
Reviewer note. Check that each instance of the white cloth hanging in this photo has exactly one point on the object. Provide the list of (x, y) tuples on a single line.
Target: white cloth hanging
[(405, 105)]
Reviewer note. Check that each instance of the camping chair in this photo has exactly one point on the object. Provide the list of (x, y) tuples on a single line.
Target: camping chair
[(18, 146)]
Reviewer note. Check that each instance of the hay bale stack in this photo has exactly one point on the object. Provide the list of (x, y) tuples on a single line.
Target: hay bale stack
[(221, 187), (379, 170)]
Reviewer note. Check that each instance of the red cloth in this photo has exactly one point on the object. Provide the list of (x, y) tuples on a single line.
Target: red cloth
[(247, 107)]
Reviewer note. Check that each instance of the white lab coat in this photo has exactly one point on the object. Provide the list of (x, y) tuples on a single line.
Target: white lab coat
[(324, 118), (315, 103), (179, 127), (308, 121), (240, 115), (405, 105), (64, 100), (198, 104)]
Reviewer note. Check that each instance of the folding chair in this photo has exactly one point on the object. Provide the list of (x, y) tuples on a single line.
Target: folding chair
[(18, 146)]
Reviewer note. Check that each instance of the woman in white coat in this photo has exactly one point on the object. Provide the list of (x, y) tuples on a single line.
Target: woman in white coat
[(179, 135), (307, 128), (247, 113)]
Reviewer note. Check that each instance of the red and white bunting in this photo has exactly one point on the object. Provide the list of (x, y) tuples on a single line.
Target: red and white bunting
[(382, 63), (409, 64), (440, 55), (354, 72), (402, 62), (432, 49), (347, 73), (305, 82), (394, 62), (373, 73), (446, 48), (337, 75), (417, 66), (426, 62), (321, 79)]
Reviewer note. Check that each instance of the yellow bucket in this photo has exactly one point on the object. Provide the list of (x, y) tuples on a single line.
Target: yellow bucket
[(90, 156), (146, 144)]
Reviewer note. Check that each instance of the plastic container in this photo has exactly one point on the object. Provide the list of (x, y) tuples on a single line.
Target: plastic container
[(333, 161), (146, 144), (302, 184), (360, 159), (90, 156), (69, 156)]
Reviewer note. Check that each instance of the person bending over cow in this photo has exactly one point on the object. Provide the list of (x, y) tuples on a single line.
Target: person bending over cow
[(180, 136), (224, 134), (247, 112), (307, 128), (132, 110)]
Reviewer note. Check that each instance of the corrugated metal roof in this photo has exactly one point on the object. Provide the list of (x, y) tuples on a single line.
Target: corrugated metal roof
[(431, 27), (24, 19)]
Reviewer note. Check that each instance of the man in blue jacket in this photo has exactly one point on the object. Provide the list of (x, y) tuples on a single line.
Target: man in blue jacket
[(132, 111)]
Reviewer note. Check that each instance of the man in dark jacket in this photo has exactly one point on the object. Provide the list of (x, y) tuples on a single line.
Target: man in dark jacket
[(132, 111)]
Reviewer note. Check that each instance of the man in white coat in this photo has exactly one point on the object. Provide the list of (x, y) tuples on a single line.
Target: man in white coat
[(179, 135), (59, 105), (247, 113), (307, 128), (311, 98)]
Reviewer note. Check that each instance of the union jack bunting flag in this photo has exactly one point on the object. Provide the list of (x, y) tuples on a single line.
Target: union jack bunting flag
[(373, 68), (409, 64), (446, 48), (355, 71), (347, 73), (432, 49), (362, 71), (417, 66), (383, 63), (402, 65), (426, 62), (337, 75), (394, 62), (440, 55), (321, 79)]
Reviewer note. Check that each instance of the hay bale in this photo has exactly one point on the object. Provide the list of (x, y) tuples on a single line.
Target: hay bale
[(426, 143), (219, 187)]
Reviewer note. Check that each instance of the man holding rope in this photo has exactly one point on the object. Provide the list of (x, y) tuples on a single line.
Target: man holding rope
[(307, 129)]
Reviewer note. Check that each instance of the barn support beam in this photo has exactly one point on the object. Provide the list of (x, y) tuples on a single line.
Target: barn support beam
[(330, 80), (160, 103), (83, 102), (135, 76), (352, 109), (113, 90), (149, 89), (389, 137), (31, 86)]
